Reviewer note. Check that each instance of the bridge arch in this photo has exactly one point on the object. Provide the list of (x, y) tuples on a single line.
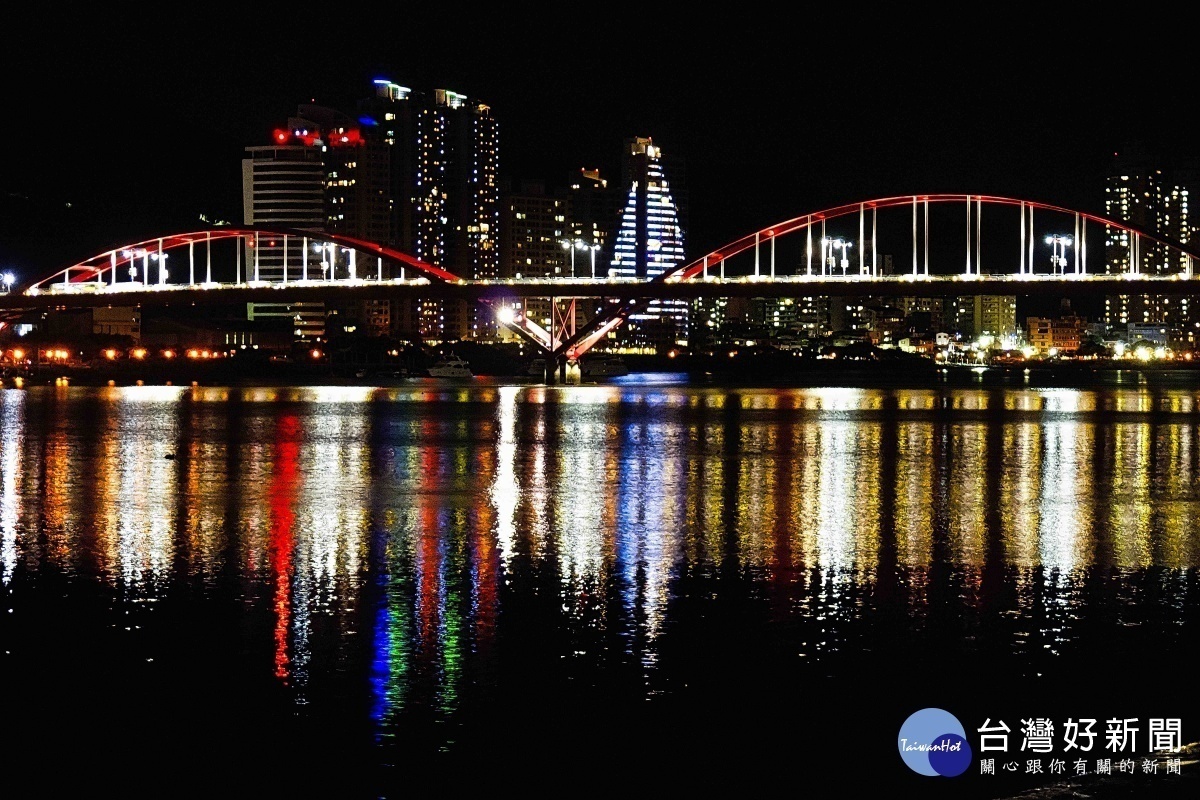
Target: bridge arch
[(807, 222), (104, 267)]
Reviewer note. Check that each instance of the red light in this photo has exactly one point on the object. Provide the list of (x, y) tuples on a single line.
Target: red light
[(348, 138), (281, 136)]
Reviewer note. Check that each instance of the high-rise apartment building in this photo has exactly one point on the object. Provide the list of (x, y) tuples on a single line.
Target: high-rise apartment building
[(593, 209), (533, 228), (441, 198), (1156, 202), (413, 171)]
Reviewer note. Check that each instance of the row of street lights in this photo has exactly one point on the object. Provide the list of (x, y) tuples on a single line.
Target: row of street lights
[(580, 244), (1059, 243), (1058, 259)]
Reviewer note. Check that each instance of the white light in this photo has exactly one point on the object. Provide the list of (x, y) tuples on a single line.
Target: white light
[(506, 316)]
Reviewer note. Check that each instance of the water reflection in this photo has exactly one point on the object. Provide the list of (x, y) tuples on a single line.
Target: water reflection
[(427, 550)]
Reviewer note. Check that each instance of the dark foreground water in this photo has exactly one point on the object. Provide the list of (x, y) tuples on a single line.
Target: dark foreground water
[(348, 591)]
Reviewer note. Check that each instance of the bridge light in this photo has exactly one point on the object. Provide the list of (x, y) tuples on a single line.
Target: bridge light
[(1058, 258)]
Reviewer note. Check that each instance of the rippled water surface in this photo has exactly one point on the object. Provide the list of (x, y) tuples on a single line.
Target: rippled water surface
[(354, 584)]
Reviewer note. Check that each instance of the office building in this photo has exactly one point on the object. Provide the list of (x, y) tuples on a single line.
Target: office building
[(283, 185), (648, 242)]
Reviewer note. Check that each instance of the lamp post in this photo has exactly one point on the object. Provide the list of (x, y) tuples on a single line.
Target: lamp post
[(327, 261), (1058, 260), (8, 279), (573, 245), (161, 258), (593, 247), (827, 257)]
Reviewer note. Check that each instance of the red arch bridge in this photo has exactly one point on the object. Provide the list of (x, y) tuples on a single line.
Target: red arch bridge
[(985, 245)]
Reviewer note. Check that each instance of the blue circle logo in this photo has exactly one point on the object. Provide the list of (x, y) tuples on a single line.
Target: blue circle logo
[(933, 742)]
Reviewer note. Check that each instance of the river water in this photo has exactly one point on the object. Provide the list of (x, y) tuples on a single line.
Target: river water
[(353, 586)]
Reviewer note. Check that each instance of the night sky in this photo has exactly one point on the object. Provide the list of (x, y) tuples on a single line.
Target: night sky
[(121, 129)]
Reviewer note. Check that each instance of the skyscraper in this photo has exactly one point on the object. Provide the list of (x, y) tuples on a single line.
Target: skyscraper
[(533, 228), (648, 242), (1141, 193), (442, 195), (416, 172), (283, 184)]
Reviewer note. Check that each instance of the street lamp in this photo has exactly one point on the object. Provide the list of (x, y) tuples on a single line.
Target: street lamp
[(577, 244), (827, 248), (327, 259), (8, 279), (162, 266), (1060, 243), (594, 247)]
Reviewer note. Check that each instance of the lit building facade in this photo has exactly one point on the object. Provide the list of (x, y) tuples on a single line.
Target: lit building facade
[(1139, 193), (117, 321), (648, 242), (983, 317), (533, 227), (283, 184), (1050, 335), (440, 201), (412, 171)]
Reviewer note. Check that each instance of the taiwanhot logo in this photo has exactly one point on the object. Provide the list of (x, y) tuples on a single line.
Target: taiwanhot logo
[(933, 742)]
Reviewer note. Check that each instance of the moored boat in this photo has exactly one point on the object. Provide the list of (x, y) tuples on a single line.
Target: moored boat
[(451, 366), (602, 365)]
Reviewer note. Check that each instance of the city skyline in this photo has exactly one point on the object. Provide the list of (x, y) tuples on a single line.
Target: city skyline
[(769, 129)]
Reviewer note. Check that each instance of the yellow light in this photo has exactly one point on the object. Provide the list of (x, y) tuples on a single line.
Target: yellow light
[(18, 354), (168, 353), (110, 354), (139, 353), (316, 353), (193, 353)]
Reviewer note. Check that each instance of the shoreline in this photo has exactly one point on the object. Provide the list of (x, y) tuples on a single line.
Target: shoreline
[(828, 374)]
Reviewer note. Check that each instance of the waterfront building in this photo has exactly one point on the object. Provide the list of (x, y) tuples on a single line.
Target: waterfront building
[(1050, 335), (413, 171), (987, 318), (438, 198), (283, 184), (117, 321), (648, 242), (1142, 193), (533, 228)]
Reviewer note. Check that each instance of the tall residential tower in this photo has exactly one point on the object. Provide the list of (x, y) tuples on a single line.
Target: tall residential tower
[(1140, 193)]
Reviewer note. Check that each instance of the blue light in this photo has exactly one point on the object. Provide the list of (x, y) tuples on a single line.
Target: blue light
[(367, 121)]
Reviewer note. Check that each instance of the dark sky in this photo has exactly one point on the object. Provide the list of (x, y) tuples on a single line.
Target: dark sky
[(139, 123)]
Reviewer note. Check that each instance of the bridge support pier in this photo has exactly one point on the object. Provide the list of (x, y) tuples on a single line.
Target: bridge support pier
[(572, 374), (563, 371)]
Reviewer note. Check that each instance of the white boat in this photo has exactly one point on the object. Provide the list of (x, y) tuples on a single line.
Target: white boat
[(450, 367), (602, 365)]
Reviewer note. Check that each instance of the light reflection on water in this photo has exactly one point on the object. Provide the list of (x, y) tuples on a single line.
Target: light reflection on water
[(417, 547)]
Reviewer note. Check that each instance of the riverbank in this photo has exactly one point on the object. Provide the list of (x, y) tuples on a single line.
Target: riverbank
[(913, 372)]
